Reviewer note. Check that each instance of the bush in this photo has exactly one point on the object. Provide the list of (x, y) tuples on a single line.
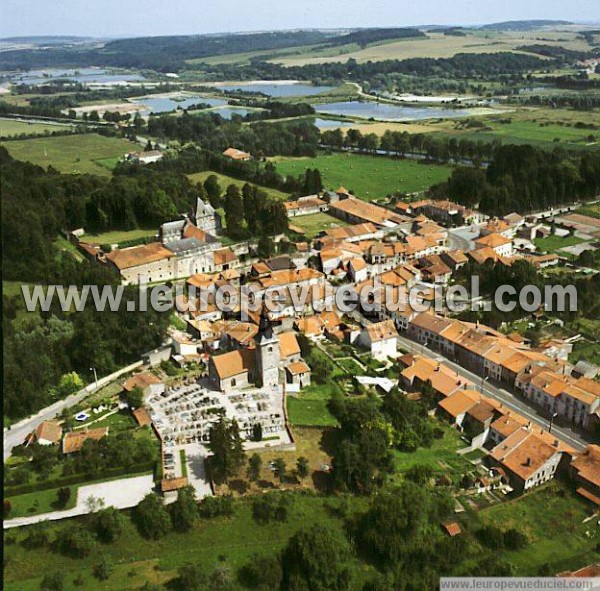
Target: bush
[(76, 541), (151, 517), (514, 539), (53, 582), (103, 569), (108, 524), (263, 573), (216, 506), (491, 536), (63, 496)]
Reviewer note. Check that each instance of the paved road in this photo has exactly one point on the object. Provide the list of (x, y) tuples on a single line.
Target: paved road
[(16, 434), (121, 494), (572, 438)]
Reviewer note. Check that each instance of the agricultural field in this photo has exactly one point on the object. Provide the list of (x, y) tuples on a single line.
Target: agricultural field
[(225, 181), (370, 177), (72, 154), (14, 127), (553, 520), (436, 45), (316, 222)]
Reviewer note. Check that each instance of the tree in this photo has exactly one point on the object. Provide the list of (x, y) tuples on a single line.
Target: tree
[(419, 474), (135, 397), (191, 577), (257, 432), (234, 211), (53, 582), (302, 467), (184, 511), (7, 508), (254, 466), (76, 541), (103, 569), (262, 573), (108, 524), (226, 446), (63, 495), (280, 468), (514, 539), (213, 190), (69, 383), (316, 558), (151, 517)]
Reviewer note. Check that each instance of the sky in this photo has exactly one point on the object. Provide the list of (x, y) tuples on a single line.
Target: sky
[(123, 18)]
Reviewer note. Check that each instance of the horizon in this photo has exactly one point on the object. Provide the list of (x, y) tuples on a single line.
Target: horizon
[(74, 18)]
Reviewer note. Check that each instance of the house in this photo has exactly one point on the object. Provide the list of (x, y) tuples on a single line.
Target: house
[(73, 442), (46, 433), (145, 157), (356, 211), (501, 245), (235, 154), (146, 381), (585, 471), (381, 339), (305, 206), (454, 407), (357, 270), (298, 373), (528, 458), (452, 529), (142, 417)]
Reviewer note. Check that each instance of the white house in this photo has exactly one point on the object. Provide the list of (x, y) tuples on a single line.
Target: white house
[(381, 338)]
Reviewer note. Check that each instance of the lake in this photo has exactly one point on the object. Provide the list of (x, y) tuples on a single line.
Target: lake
[(83, 75), (385, 111), (276, 89)]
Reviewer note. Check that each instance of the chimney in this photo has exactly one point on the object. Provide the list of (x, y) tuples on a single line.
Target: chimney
[(528, 462)]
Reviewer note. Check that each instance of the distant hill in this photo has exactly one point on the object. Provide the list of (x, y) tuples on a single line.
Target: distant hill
[(366, 36), (522, 25)]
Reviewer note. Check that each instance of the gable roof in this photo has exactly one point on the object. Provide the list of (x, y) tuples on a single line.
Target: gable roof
[(74, 441), (229, 365), (49, 431), (125, 258)]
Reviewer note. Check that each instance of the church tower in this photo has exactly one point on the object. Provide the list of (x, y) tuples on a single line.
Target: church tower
[(267, 353)]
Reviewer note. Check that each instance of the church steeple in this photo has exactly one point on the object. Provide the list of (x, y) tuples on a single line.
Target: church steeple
[(267, 352), (265, 329)]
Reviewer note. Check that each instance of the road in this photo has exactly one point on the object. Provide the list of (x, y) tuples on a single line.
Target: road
[(569, 436), (16, 434)]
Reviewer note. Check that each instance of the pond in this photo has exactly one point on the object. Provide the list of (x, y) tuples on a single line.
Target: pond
[(385, 111), (331, 123), (278, 88), (168, 103), (83, 75)]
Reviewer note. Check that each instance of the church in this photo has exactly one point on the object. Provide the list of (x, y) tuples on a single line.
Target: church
[(262, 364)]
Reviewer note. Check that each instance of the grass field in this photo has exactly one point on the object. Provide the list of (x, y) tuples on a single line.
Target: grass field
[(11, 127), (119, 236), (441, 456), (316, 222), (552, 518), (593, 210), (76, 154), (370, 177), (37, 502), (309, 407), (225, 181), (224, 540), (555, 243)]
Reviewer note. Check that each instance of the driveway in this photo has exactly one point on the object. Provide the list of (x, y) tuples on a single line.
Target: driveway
[(195, 455), (121, 494)]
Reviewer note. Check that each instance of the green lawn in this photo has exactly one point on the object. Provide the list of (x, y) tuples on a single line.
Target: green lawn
[(225, 181), (441, 456), (232, 541), (586, 351), (118, 236), (552, 518), (370, 177), (555, 243), (42, 501), (77, 154), (309, 407), (593, 210), (11, 127), (316, 222)]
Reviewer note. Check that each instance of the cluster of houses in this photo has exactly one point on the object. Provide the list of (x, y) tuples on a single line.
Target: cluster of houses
[(519, 453)]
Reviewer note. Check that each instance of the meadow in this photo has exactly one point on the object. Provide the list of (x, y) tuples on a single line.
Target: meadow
[(316, 222), (225, 181), (13, 127), (119, 236), (370, 177), (71, 154)]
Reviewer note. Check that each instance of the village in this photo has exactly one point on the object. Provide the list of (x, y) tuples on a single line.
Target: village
[(522, 410)]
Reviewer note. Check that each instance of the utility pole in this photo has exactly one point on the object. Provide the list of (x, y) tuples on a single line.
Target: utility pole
[(95, 377)]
